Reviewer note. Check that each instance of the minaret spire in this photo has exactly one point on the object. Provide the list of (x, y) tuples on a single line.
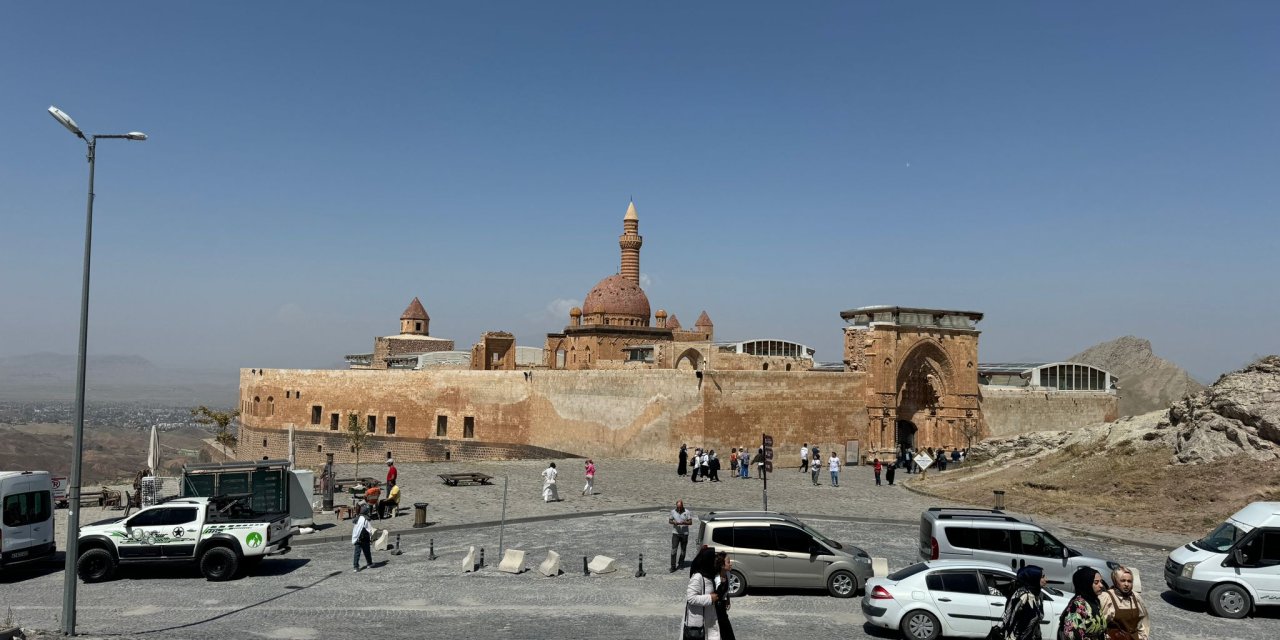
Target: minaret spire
[(630, 242)]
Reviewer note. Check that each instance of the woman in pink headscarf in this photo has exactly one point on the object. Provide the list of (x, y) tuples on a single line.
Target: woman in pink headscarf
[(591, 478)]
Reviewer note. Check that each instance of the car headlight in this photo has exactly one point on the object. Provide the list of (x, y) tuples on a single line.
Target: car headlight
[(863, 559), (1188, 569)]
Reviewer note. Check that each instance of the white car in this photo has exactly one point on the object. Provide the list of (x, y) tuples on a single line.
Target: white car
[(958, 598)]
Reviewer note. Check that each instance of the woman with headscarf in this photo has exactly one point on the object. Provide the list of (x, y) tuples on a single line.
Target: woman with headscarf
[(682, 468), (723, 563), (700, 597), (549, 492), (1025, 608), (1083, 619), (1124, 609)]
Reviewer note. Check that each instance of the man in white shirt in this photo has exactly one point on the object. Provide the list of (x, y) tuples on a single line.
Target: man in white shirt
[(680, 521), (833, 464), (804, 458)]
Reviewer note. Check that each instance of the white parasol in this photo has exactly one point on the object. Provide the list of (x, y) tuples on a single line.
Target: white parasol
[(153, 452)]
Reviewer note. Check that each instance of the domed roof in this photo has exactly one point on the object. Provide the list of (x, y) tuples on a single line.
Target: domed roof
[(617, 295)]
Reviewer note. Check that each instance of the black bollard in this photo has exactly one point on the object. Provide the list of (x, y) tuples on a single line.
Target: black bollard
[(431, 555), (481, 557), (640, 571), (397, 551), (585, 570)]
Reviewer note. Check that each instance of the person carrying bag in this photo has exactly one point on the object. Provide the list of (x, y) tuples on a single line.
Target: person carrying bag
[(700, 621)]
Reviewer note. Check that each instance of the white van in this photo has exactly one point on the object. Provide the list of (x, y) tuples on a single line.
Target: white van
[(26, 517), (1234, 568)]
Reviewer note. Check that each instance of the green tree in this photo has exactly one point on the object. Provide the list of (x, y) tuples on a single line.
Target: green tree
[(357, 436), (220, 420)]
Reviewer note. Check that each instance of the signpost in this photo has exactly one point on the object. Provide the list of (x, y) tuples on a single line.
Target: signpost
[(766, 442), (923, 460)]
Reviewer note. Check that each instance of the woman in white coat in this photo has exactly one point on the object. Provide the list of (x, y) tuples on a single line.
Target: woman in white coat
[(700, 596)]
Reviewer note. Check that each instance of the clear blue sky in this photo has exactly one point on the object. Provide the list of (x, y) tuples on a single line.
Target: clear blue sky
[(1077, 171)]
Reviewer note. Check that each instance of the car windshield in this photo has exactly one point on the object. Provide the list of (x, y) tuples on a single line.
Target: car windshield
[(825, 540), (1221, 539)]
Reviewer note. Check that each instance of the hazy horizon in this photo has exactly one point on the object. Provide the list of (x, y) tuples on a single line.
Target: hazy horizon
[(1078, 172)]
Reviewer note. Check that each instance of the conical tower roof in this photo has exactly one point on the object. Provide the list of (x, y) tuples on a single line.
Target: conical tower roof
[(415, 311), (631, 212), (673, 323), (704, 320)]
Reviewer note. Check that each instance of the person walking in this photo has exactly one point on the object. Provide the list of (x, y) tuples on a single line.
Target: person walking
[(804, 458), (814, 467), (1083, 618), (876, 466), (744, 463), (714, 466), (696, 463), (361, 536), (1126, 613), (680, 521), (700, 596), (705, 461), (909, 455), (833, 465), (590, 489), (549, 491), (888, 473), (682, 468), (733, 461), (1024, 610), (723, 564), (759, 460)]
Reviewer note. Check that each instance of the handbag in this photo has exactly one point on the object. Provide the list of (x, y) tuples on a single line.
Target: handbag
[(693, 633), (364, 535)]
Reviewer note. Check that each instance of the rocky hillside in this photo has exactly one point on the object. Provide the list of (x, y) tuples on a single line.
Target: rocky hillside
[(1239, 414), (1147, 382)]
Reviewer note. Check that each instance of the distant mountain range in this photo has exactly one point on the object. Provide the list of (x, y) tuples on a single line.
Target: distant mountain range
[(113, 378)]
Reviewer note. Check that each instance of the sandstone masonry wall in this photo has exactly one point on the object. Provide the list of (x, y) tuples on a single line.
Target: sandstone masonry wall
[(1014, 411)]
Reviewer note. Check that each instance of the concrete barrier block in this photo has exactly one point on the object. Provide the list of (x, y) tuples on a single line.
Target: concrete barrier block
[(879, 567), (551, 566), (512, 561), (602, 564), (380, 542), (469, 562)]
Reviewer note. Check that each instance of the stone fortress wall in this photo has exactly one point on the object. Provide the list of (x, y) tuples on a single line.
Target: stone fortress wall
[(1010, 411), (539, 413)]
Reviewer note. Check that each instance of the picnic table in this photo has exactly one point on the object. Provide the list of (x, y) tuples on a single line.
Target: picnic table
[(454, 479)]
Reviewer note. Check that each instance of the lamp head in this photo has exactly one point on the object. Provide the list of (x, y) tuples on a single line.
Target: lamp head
[(66, 121), (136, 135)]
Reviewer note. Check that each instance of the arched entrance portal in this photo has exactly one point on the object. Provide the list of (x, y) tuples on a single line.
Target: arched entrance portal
[(906, 435), (690, 360)]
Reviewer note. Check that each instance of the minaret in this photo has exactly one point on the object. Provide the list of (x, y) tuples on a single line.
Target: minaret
[(630, 242)]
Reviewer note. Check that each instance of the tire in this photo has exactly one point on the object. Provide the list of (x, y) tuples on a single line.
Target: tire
[(219, 564), (96, 565), (737, 584), (920, 625), (1230, 601), (842, 584)]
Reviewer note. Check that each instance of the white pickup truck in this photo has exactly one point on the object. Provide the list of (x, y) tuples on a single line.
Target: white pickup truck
[(220, 535)]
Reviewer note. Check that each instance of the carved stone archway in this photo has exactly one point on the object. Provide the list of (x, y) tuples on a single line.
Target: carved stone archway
[(689, 360)]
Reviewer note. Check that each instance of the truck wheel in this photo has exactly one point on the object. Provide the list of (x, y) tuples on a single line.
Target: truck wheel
[(96, 565), (1230, 601), (219, 564)]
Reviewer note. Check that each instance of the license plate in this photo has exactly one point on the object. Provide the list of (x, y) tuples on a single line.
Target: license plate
[(19, 554)]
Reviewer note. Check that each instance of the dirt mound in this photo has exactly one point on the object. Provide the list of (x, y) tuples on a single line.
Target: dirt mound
[(1147, 382), (1238, 415)]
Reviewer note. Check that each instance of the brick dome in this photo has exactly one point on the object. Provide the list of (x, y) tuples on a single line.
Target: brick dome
[(617, 296)]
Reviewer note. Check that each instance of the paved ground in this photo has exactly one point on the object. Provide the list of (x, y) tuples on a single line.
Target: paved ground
[(312, 592)]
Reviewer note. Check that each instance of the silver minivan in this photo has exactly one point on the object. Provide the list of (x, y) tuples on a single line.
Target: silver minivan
[(770, 549), (996, 536)]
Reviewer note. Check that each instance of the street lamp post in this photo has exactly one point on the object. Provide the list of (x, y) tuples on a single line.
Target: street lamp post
[(77, 446)]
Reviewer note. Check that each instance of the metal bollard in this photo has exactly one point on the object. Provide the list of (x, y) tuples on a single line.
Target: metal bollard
[(397, 550), (481, 557), (431, 555), (585, 570), (640, 571)]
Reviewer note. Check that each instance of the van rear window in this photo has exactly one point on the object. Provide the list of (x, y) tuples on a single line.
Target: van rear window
[(962, 537), (32, 507)]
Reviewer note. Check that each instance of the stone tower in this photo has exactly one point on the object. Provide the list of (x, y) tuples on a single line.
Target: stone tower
[(415, 321), (630, 242)]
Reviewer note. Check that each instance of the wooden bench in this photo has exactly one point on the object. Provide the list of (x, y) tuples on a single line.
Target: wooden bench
[(454, 479)]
